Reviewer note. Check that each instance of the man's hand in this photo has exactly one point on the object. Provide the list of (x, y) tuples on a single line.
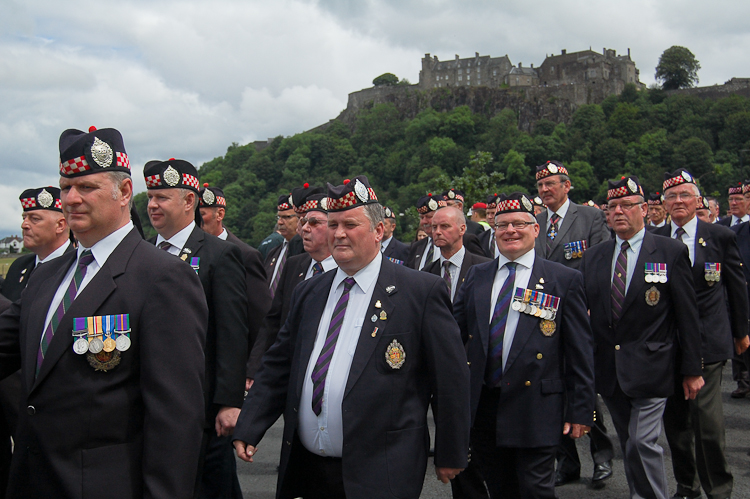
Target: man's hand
[(741, 344), (248, 383), (244, 451), (575, 430), (691, 385), (445, 475), (225, 421)]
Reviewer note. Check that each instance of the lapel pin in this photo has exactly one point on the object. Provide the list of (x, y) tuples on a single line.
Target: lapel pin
[(23, 271), (390, 289), (378, 304), (374, 332), (374, 318), (539, 286), (183, 257), (300, 274), (541, 280), (383, 315), (187, 250)]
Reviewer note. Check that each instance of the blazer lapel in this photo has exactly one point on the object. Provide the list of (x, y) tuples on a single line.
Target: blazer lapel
[(567, 223), (309, 328), (483, 300), (369, 333), (527, 324), (639, 273), (193, 244)]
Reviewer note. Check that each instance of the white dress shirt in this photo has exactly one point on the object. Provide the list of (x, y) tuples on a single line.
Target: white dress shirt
[(328, 264), (736, 220), (454, 268), (323, 434), (58, 252), (523, 274), (689, 237), (224, 234), (632, 253), (101, 251), (178, 240), (561, 212)]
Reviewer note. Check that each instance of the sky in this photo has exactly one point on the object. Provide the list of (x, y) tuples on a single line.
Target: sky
[(187, 78)]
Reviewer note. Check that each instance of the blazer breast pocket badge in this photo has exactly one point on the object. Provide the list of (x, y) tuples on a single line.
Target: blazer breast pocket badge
[(102, 338)]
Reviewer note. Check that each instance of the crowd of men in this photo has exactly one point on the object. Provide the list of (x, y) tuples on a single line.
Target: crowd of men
[(139, 368)]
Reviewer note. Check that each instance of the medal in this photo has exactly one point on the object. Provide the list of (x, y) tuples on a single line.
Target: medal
[(662, 272), (122, 329), (96, 345), (548, 327), (81, 346), (122, 343), (652, 296), (517, 304), (712, 273), (109, 344)]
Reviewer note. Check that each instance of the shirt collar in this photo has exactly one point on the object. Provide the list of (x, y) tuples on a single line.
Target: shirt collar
[(527, 259), (561, 211), (328, 264), (58, 252), (689, 227), (456, 259), (366, 276), (103, 248), (179, 239), (634, 242), (223, 235)]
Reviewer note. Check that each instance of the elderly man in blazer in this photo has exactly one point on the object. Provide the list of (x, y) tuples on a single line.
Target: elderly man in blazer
[(110, 349), (695, 428), (567, 231), (448, 229), (391, 247), (287, 220), (363, 352), (644, 315), (530, 351)]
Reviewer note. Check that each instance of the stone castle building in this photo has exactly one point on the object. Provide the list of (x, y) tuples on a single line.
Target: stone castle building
[(605, 73)]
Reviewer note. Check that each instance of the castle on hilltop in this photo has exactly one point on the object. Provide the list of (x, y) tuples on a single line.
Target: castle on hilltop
[(604, 74)]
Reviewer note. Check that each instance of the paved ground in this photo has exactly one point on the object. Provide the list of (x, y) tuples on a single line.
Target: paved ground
[(258, 479)]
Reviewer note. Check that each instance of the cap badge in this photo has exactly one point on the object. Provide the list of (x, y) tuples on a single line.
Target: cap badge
[(395, 355), (324, 203), (632, 186), (208, 197), (451, 194), (432, 204), (388, 213), (102, 153), (291, 202), (526, 203), (361, 191), (687, 176), (552, 168), (171, 176), (390, 289), (45, 199)]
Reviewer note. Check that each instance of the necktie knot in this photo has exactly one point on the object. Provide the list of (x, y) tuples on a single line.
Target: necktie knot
[(625, 246), (447, 265), (511, 268), (85, 259), (348, 284), (679, 233), (165, 245), (317, 268)]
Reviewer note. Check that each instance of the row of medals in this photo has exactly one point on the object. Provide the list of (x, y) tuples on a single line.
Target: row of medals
[(574, 249), (96, 345), (656, 276), (533, 308), (713, 272)]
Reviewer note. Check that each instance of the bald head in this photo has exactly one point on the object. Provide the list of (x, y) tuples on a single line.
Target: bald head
[(448, 228)]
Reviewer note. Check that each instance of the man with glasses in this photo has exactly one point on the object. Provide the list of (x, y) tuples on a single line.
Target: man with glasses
[(286, 222), (695, 428), (567, 231), (311, 204), (737, 207), (643, 308), (530, 352)]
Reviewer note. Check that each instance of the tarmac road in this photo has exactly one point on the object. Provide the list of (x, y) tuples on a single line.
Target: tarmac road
[(258, 479)]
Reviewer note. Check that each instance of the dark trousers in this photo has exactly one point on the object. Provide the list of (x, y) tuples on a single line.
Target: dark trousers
[(739, 369), (509, 472), (10, 399), (695, 432), (600, 446), (322, 477), (469, 484), (217, 469)]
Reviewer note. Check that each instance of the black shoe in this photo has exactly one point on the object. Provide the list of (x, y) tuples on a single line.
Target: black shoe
[(740, 393), (602, 472), (431, 453), (565, 478)]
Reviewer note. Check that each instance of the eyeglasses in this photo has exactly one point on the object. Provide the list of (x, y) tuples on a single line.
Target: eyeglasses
[(503, 226), (548, 185), (623, 206), (314, 222), (684, 196), (285, 217)]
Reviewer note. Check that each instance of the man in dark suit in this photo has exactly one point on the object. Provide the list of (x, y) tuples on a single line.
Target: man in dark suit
[(567, 231), (287, 221), (213, 205), (455, 198), (695, 428), (391, 247), (532, 373), (310, 205), (423, 252), (740, 362), (448, 228), (737, 207), (173, 209), (363, 352), (657, 215), (643, 309), (487, 239), (141, 398)]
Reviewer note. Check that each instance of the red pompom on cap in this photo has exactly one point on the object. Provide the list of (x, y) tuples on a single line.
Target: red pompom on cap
[(305, 185), (429, 194), (92, 129), (205, 185), (346, 181), (172, 159)]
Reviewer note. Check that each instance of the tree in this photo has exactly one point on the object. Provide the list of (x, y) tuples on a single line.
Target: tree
[(677, 68), (385, 79)]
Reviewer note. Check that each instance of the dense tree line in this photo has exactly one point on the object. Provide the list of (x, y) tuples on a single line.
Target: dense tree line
[(643, 133)]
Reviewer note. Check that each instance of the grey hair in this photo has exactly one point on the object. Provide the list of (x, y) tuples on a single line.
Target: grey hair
[(375, 214), (117, 178)]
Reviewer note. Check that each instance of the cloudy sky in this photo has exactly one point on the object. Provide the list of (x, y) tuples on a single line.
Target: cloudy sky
[(187, 78)]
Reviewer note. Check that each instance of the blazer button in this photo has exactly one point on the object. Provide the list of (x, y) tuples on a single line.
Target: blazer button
[(295, 409), (469, 363), (288, 442), (528, 383), (539, 356), (471, 336), (617, 347), (31, 410)]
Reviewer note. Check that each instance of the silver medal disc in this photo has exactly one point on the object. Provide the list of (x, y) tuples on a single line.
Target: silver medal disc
[(96, 345), (662, 279), (81, 346), (649, 278), (532, 310), (516, 306), (122, 343)]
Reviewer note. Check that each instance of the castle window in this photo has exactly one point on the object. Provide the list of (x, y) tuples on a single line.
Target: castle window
[(460, 71), (552, 69), (468, 77), (479, 63), (494, 72), (460, 78)]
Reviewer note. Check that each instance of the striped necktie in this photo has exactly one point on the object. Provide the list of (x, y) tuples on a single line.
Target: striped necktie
[(326, 353), (552, 231), (618, 282), (679, 233), (165, 245), (317, 268), (497, 327), (447, 275), (83, 262)]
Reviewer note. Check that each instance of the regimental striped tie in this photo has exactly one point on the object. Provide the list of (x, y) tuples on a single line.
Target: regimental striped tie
[(552, 231), (679, 233), (164, 245), (326, 353), (317, 268), (618, 282), (279, 268), (497, 327), (447, 275), (83, 262)]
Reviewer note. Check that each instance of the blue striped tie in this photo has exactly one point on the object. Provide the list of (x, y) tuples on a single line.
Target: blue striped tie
[(618, 282), (497, 326), (326, 353)]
